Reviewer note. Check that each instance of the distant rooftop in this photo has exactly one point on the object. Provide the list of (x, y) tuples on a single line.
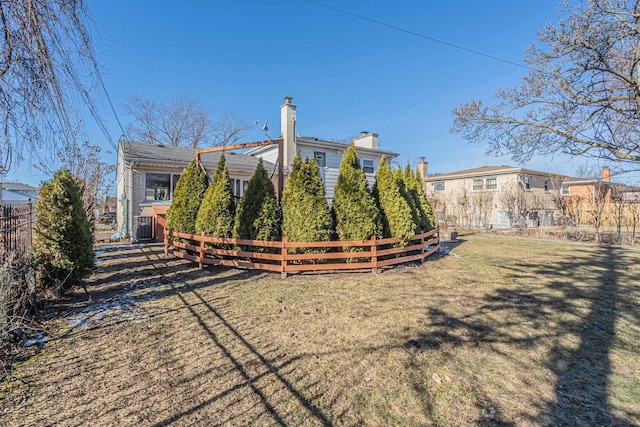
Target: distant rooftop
[(16, 186), (489, 170), (169, 156)]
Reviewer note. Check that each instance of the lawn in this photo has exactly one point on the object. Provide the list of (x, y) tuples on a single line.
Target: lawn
[(502, 331)]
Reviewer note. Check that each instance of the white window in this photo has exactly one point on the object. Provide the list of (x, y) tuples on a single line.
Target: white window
[(477, 185), (546, 185), (321, 158), (367, 165), (491, 184), (527, 182), (565, 190), (238, 187), (438, 185), (159, 186)]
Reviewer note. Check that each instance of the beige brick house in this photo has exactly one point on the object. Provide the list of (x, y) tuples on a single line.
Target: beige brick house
[(494, 197)]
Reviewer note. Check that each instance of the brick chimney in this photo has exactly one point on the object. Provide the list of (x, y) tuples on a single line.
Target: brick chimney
[(606, 174), (423, 168), (366, 140), (288, 128)]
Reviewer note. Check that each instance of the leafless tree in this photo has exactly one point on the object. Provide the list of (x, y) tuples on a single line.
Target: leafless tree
[(181, 122), (482, 206), (86, 163), (440, 208), (633, 218), (619, 204), (509, 200), (461, 207), (48, 75), (595, 208), (581, 95)]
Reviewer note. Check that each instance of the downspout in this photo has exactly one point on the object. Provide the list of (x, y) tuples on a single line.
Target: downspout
[(130, 193)]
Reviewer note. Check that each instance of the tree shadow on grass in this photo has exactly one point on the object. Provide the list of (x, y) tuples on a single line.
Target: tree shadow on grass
[(573, 314), (237, 349)]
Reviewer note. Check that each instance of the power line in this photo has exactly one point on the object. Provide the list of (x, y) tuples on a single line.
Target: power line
[(413, 33)]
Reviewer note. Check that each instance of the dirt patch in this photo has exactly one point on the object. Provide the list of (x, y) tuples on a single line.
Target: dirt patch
[(500, 331)]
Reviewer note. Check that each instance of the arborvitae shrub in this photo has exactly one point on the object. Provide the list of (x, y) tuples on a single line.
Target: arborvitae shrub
[(404, 191), (64, 241), (354, 206), (305, 211), (396, 212), (258, 216), (187, 198), (413, 183), (217, 211)]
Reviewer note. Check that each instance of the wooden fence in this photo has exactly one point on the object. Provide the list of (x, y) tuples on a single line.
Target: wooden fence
[(286, 257), (16, 228)]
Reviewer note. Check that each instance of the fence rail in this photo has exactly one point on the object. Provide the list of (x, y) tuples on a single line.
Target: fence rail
[(288, 257), (16, 228)]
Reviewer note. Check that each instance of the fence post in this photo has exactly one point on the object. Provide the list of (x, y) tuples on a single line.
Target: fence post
[(3, 230), (166, 242), (30, 224), (374, 255), (201, 251), (283, 262)]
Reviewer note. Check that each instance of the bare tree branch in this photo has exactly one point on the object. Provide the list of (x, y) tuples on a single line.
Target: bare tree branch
[(182, 122), (47, 74), (581, 97)]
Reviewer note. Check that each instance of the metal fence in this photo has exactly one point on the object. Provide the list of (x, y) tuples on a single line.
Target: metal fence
[(16, 228)]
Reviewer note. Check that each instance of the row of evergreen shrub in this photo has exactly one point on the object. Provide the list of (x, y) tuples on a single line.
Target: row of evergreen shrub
[(396, 207)]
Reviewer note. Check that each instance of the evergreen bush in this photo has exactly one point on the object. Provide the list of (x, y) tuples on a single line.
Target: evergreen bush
[(64, 241), (187, 198), (413, 183), (217, 211), (398, 175), (258, 216), (396, 213), (305, 211), (354, 206)]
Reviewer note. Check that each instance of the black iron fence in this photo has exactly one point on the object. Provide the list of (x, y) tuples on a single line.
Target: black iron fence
[(16, 228)]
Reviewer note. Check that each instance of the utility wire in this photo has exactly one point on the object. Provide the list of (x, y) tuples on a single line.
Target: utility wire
[(413, 33)]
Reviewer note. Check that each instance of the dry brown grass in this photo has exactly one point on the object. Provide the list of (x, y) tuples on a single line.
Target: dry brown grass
[(506, 331)]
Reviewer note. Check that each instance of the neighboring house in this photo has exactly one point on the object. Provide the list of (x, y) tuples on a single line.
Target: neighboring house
[(146, 177), (493, 197), (328, 154), (592, 190), (15, 192), (588, 200), (10, 197)]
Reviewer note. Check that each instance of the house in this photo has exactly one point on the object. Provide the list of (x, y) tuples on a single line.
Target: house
[(147, 174), (328, 154), (599, 199), (15, 192), (493, 197)]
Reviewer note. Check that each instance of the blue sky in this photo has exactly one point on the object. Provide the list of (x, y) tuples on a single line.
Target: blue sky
[(345, 74)]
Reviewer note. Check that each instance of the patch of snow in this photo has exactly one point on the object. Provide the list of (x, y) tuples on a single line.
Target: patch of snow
[(118, 308), (40, 339), (117, 235)]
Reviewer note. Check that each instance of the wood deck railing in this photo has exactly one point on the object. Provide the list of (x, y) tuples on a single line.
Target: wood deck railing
[(281, 256)]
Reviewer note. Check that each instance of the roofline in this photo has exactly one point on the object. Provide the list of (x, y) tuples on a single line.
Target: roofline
[(311, 141), (509, 170), (591, 181), (308, 140)]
